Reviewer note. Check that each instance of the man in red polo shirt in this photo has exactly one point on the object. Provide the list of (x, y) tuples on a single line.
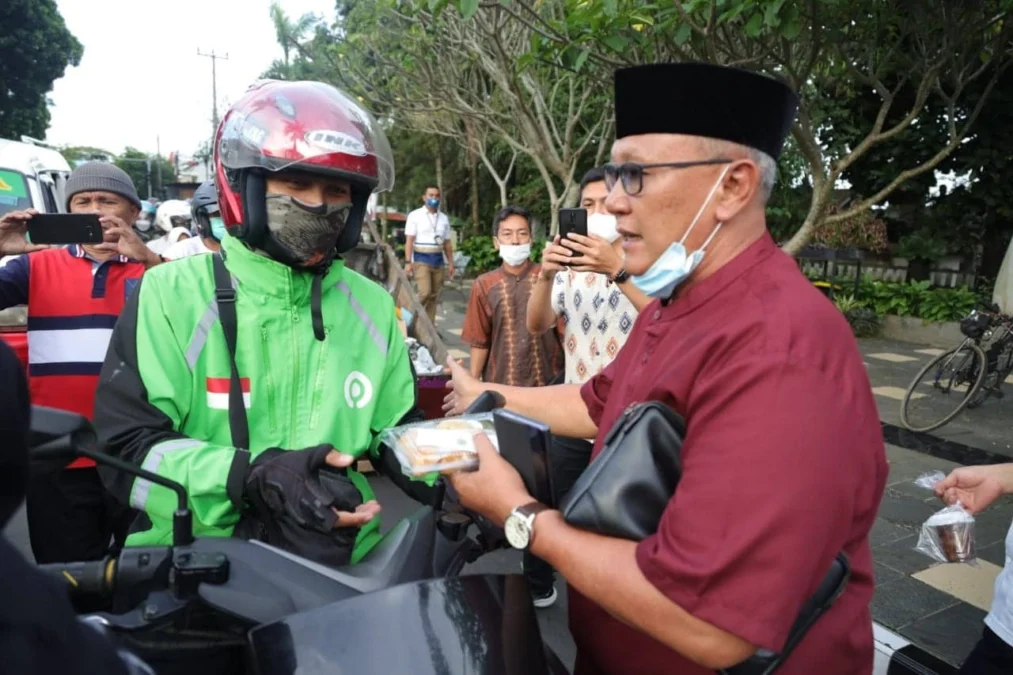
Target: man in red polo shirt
[(783, 460), (74, 296)]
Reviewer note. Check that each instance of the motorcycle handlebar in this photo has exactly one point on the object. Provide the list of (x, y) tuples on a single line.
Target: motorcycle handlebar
[(93, 578)]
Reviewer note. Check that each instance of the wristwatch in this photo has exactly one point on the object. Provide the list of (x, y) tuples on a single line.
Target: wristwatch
[(519, 525), (620, 277)]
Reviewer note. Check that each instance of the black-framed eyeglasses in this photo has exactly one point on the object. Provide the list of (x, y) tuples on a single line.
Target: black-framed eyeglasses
[(632, 174)]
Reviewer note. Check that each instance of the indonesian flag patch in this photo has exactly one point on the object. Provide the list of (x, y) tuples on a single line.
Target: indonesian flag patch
[(218, 392)]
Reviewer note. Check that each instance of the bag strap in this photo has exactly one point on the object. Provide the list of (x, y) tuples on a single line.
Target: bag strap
[(225, 298)]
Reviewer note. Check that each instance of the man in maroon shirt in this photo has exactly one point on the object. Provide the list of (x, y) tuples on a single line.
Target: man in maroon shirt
[(783, 461)]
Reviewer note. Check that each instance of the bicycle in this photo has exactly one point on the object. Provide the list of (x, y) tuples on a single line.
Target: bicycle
[(975, 369)]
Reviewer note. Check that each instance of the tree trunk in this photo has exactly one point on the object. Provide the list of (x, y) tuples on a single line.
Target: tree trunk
[(439, 165), (473, 169), (383, 216), (801, 238)]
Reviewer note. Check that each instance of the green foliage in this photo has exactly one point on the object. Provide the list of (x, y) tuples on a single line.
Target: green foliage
[(917, 299), (35, 50), (922, 244), (484, 256), (133, 161), (863, 320), (863, 230), (81, 153)]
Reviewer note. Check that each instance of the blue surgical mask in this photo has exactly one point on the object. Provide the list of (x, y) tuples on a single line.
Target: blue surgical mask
[(675, 265), (433, 203), (217, 228)]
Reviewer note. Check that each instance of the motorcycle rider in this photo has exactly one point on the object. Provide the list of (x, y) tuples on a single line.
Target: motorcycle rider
[(320, 361), (207, 225), (173, 221), (145, 224)]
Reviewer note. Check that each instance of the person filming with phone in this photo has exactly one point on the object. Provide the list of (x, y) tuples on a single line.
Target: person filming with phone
[(74, 296)]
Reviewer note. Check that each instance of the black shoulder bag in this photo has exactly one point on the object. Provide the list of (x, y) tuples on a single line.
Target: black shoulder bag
[(625, 490)]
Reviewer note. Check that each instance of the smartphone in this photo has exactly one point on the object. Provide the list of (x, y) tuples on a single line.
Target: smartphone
[(572, 220), (65, 228), (524, 443)]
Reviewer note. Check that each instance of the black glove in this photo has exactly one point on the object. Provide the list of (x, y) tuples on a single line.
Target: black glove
[(299, 487)]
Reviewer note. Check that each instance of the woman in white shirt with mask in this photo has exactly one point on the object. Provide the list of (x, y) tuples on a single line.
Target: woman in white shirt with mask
[(977, 488)]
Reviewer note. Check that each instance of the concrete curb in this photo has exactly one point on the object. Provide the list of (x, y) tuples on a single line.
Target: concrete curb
[(917, 331)]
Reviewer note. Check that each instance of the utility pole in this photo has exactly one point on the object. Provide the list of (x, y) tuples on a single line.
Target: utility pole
[(214, 87), (158, 163)]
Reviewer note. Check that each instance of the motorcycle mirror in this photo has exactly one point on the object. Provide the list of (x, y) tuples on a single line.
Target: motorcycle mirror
[(59, 434)]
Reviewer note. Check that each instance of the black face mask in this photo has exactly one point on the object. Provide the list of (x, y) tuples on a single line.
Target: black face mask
[(307, 234)]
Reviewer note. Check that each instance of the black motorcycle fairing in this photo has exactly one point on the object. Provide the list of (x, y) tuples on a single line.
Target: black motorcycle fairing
[(456, 626), (264, 586), (404, 554), (266, 583)]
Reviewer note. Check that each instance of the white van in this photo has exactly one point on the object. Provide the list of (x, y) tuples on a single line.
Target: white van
[(32, 176)]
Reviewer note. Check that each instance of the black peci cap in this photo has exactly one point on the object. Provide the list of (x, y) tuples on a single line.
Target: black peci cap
[(700, 99)]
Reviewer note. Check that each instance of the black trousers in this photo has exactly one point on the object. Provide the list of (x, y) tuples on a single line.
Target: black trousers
[(991, 656), (72, 517), (568, 458)]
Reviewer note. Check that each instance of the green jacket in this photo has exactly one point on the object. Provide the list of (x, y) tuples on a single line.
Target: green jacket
[(162, 400)]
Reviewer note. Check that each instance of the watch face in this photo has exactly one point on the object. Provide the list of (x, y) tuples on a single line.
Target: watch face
[(517, 532)]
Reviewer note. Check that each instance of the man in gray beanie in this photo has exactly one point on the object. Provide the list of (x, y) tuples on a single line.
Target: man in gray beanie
[(74, 296)]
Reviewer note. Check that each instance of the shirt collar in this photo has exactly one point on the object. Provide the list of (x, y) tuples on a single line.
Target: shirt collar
[(79, 252)]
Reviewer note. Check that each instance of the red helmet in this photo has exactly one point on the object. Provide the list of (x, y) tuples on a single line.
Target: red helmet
[(301, 126)]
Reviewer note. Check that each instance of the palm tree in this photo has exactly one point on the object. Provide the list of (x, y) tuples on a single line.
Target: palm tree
[(290, 32)]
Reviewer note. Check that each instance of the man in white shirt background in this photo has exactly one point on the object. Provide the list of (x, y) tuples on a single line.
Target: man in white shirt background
[(427, 234)]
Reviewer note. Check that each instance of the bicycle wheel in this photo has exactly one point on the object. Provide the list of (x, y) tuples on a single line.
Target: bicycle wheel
[(943, 388)]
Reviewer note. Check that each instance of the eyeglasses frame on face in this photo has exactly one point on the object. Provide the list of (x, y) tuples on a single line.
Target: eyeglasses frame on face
[(615, 173)]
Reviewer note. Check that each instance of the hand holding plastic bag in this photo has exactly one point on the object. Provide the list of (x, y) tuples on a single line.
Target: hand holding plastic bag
[(948, 535)]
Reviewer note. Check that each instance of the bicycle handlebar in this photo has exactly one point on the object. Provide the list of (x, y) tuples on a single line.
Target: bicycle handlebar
[(93, 578)]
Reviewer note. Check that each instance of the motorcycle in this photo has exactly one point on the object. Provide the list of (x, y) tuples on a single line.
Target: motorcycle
[(222, 605)]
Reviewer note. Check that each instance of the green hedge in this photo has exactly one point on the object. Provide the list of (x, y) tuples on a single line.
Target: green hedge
[(918, 299)]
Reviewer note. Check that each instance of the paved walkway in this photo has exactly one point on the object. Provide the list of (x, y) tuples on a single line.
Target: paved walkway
[(940, 607)]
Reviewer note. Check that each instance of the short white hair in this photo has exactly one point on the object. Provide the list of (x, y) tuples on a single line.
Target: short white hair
[(766, 164)]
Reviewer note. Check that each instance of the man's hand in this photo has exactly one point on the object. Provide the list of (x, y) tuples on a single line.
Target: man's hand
[(287, 484), (13, 228), (976, 487), (451, 270), (495, 489), (464, 388), (409, 270), (363, 512), (121, 238), (554, 259), (596, 254)]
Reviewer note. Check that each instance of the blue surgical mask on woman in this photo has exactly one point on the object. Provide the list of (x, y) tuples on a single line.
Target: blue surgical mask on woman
[(675, 265), (217, 228)]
